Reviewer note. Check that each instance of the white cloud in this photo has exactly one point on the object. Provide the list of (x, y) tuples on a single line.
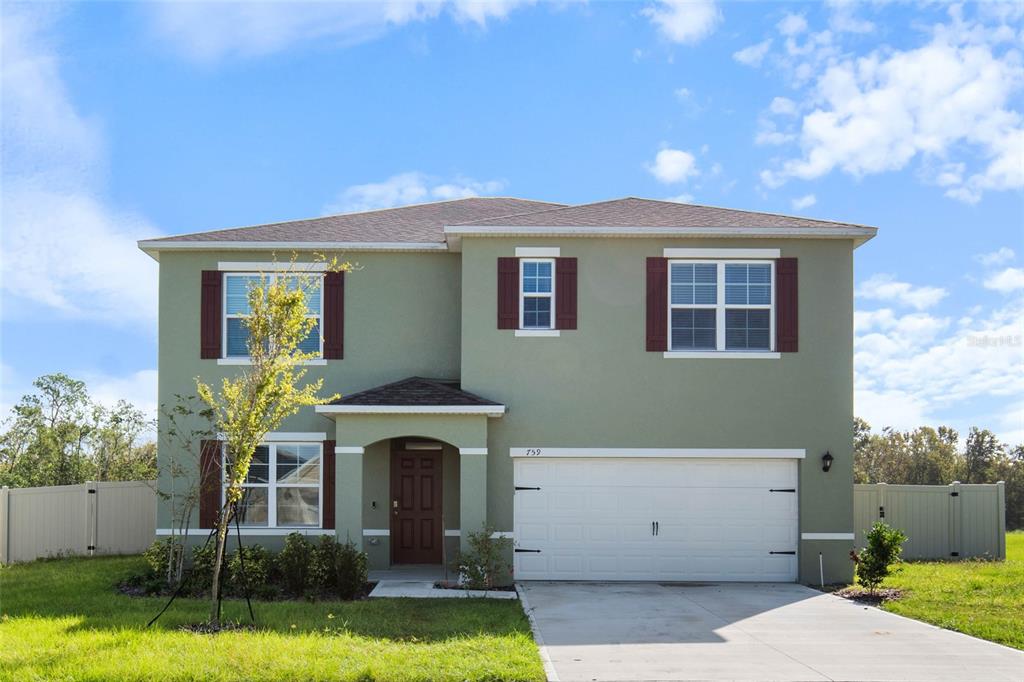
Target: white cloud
[(207, 32), (877, 113), (684, 21), (842, 18), (1006, 281), (1000, 256), (138, 388), (886, 288), (782, 106), (916, 369), (754, 54), (64, 248), (408, 188), (673, 165), (806, 201), (681, 198), (792, 24)]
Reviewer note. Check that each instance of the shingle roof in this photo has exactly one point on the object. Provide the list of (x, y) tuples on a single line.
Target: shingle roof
[(420, 223), (415, 391), (634, 212)]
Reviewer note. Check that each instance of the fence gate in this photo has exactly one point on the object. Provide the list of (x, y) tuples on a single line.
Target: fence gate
[(82, 520), (941, 521)]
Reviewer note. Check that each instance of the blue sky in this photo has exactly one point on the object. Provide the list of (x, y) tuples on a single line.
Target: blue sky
[(126, 121)]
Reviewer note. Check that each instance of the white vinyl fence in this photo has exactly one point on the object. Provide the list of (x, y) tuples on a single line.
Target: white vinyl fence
[(941, 521), (87, 519)]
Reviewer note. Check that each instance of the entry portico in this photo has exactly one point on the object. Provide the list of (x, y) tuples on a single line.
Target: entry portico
[(411, 468)]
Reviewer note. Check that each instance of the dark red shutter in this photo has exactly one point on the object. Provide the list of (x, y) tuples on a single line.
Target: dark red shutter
[(508, 293), (565, 293), (657, 304), (786, 322), (209, 483), (334, 316), (210, 315), (328, 484)]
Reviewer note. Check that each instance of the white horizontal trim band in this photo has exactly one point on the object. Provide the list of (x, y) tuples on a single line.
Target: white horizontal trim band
[(250, 530), (247, 361), (252, 266), (376, 532), (845, 232), (826, 536), (489, 410), (472, 451), (538, 252), (720, 453), (156, 245), (285, 436), (538, 332), (721, 355), (348, 450), (452, 533), (499, 534), (721, 253)]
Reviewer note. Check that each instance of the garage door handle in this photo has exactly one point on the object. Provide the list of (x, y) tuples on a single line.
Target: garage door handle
[(790, 552), (526, 487), (782, 490), (528, 551)]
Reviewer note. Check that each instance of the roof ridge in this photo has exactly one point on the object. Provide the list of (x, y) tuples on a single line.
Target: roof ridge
[(557, 207), (349, 213)]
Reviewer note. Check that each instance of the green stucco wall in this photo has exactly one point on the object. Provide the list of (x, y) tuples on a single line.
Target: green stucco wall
[(407, 314), (402, 319), (597, 386)]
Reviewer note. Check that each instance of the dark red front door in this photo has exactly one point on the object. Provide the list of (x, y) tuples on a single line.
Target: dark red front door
[(416, 533)]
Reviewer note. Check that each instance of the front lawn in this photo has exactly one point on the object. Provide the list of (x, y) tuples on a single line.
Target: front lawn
[(63, 619), (981, 598)]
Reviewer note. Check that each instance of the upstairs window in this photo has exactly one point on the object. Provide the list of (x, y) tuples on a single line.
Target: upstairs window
[(236, 309), (721, 306), (537, 293)]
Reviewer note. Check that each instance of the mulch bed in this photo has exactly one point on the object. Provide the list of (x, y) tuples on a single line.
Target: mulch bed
[(456, 586), (134, 588), (862, 596)]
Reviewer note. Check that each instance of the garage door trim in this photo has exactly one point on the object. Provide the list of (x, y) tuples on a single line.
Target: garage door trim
[(714, 453)]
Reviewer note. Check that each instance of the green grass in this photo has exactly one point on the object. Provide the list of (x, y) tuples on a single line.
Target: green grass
[(63, 620), (980, 598)]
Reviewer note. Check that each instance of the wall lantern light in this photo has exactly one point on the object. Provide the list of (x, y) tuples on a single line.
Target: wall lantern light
[(826, 461)]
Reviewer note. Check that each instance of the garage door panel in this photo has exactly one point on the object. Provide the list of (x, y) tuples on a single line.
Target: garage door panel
[(717, 519)]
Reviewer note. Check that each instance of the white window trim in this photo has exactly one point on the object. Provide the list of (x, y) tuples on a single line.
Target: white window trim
[(721, 253), (539, 332), (225, 359), (271, 486), (538, 251), (720, 307), (523, 295)]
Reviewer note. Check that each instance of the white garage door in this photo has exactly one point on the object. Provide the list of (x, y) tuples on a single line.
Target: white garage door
[(655, 519)]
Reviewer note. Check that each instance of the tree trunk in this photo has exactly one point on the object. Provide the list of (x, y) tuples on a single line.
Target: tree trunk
[(223, 519)]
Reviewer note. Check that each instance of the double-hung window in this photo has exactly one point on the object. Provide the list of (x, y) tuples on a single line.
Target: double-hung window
[(284, 486), (721, 306), (537, 293), (236, 309)]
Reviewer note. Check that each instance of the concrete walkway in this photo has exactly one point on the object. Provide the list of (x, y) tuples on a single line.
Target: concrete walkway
[(744, 631)]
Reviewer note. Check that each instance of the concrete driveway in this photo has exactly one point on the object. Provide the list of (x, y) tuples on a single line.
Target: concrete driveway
[(744, 631)]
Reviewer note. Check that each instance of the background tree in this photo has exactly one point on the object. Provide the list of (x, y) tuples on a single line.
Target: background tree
[(267, 391), (927, 456), (59, 436)]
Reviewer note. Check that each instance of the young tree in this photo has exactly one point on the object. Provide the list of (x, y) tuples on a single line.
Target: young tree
[(266, 392)]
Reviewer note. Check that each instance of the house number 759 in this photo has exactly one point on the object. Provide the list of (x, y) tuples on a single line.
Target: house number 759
[(533, 452)]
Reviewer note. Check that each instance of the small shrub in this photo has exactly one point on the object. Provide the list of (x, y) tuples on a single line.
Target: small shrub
[(350, 571), (253, 578), (157, 556), (294, 563), (484, 563), (874, 563), (323, 573), (200, 577)]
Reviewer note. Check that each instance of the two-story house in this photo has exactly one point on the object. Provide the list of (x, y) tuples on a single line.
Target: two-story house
[(630, 389)]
